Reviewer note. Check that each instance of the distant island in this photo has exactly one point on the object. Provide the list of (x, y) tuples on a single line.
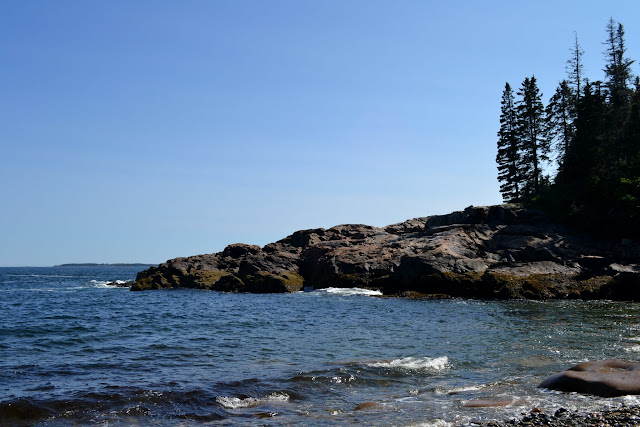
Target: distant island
[(92, 264)]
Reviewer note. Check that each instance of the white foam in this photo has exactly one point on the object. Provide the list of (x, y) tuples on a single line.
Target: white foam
[(236, 402), (633, 349), (249, 402), (434, 423), (631, 400), (415, 363), (350, 291), (464, 389), (105, 284)]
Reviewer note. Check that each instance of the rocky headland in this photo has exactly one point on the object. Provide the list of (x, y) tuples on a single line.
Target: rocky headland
[(494, 252)]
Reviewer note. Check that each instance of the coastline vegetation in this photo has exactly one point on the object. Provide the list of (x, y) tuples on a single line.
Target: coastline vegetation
[(588, 134)]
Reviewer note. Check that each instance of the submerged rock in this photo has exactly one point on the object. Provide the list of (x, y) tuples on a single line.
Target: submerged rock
[(606, 378), (504, 251)]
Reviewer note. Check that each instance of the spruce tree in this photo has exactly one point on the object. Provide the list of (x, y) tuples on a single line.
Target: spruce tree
[(595, 129), (580, 176), (508, 157), (531, 128), (629, 191), (574, 68), (560, 117), (618, 78), (618, 68)]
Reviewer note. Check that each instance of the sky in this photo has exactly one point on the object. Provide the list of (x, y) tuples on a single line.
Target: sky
[(139, 131)]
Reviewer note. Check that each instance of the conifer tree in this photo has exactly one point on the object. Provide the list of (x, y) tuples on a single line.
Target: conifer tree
[(629, 191), (631, 146), (531, 128), (584, 154), (618, 77), (618, 68), (508, 157), (575, 68), (560, 117), (595, 129)]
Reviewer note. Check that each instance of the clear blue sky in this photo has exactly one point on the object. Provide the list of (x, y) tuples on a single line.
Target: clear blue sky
[(145, 130)]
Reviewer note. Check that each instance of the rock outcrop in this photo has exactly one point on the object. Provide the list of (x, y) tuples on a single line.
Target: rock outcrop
[(503, 251), (606, 378)]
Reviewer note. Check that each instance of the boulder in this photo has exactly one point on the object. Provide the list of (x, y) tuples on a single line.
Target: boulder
[(606, 378)]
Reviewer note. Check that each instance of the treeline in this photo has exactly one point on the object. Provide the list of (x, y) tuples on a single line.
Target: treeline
[(588, 133)]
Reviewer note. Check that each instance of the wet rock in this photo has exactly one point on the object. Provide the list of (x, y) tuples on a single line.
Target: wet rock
[(622, 416), (488, 403), (606, 378), (368, 406)]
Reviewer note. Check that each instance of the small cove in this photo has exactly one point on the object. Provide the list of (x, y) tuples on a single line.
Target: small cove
[(73, 350)]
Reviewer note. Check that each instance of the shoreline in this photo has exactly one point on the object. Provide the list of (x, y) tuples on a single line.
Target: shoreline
[(623, 415), (483, 252)]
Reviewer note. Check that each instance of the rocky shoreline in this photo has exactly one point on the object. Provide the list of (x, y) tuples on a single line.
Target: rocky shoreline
[(490, 252), (621, 416)]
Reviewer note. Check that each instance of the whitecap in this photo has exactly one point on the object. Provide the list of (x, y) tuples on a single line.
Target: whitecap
[(415, 363), (434, 423), (350, 291), (631, 400), (463, 389), (236, 402), (249, 402), (108, 284)]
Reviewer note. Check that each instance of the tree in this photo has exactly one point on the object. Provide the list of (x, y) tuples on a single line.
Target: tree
[(575, 67), (560, 117), (629, 190), (618, 68), (617, 80), (584, 153), (531, 128), (594, 129), (508, 157)]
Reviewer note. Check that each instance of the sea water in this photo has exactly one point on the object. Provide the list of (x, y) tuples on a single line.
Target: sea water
[(75, 351)]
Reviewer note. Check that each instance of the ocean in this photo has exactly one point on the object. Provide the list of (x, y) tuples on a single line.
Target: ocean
[(75, 351)]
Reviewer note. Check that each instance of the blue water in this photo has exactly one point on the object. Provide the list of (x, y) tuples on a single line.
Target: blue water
[(75, 351)]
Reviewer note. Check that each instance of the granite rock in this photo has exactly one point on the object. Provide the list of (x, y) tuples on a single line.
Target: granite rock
[(504, 251)]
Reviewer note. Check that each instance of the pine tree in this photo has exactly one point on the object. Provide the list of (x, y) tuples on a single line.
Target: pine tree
[(575, 68), (629, 191), (594, 128), (560, 117), (631, 146), (618, 68), (583, 164), (508, 157), (531, 128), (618, 78)]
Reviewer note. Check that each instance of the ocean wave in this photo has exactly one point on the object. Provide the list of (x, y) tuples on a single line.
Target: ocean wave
[(632, 349), (350, 291), (436, 364), (250, 402), (435, 423), (108, 284), (459, 390)]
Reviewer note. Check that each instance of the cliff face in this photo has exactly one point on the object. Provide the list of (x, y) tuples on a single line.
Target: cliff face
[(502, 251)]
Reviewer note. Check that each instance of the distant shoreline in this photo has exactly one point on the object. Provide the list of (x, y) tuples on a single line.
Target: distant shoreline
[(91, 264)]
